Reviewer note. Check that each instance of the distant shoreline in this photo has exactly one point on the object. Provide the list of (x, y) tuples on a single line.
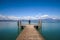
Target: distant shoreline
[(8, 20), (34, 21)]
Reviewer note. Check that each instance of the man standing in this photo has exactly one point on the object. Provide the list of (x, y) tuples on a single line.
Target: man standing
[(29, 21)]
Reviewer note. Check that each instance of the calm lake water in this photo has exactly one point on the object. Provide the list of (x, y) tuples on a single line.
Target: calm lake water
[(9, 31)]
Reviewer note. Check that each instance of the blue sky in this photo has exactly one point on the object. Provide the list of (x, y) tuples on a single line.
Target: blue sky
[(29, 7)]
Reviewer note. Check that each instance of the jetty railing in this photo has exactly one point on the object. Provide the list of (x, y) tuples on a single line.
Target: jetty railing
[(37, 24)]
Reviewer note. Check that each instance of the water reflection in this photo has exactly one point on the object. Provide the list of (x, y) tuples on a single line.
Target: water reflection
[(9, 31)]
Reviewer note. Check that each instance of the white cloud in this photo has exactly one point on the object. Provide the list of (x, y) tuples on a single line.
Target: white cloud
[(44, 16), (28, 17), (13, 17), (53, 18), (2, 17)]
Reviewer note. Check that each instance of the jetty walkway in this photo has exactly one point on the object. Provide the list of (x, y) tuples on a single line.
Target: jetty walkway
[(30, 33)]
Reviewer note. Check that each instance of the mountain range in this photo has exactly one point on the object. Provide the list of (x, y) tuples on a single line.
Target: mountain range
[(46, 20)]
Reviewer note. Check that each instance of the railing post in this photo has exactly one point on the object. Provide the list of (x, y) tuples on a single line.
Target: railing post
[(39, 23), (19, 25)]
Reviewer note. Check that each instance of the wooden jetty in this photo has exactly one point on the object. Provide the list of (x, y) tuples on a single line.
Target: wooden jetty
[(29, 33), (37, 26)]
